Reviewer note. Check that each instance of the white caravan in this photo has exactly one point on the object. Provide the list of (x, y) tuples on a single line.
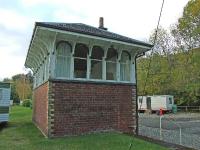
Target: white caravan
[(5, 91), (155, 102)]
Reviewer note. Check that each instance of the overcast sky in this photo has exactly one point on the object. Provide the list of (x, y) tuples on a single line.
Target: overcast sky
[(133, 18)]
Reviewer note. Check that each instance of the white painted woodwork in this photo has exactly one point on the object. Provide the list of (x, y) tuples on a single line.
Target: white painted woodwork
[(45, 46)]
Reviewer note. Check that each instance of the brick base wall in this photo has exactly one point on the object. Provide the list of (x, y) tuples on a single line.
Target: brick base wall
[(40, 107), (79, 108)]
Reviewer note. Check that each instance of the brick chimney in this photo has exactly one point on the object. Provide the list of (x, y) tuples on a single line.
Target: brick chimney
[(101, 24)]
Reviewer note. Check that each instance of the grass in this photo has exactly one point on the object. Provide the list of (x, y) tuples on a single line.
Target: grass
[(21, 134)]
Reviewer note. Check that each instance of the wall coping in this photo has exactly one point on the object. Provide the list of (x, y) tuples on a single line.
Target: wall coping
[(91, 82)]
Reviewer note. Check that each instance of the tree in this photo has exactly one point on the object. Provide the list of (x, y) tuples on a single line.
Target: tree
[(21, 87), (174, 68), (164, 42), (187, 30)]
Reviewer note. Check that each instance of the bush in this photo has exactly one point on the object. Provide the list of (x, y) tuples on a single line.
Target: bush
[(27, 103)]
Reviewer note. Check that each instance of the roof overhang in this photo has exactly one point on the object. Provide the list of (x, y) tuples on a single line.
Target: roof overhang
[(38, 50)]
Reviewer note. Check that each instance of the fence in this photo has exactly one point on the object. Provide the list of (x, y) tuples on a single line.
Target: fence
[(182, 129), (188, 108)]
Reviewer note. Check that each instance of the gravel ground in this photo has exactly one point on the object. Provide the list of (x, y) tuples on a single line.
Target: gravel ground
[(149, 125)]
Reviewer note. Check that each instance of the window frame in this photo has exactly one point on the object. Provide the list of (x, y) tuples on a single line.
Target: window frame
[(81, 58), (125, 64), (67, 57), (112, 62), (96, 60)]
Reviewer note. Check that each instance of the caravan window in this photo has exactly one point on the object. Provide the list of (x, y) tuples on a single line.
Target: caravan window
[(170, 100), (1, 94), (140, 100)]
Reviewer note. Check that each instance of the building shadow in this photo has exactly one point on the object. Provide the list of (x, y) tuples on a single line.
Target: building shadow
[(3, 125)]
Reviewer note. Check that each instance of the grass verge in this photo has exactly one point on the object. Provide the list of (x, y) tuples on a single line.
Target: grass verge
[(21, 134)]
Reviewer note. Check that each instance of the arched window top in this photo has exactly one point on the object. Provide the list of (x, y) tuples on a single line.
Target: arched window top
[(125, 57), (97, 53), (112, 55), (63, 48), (81, 50)]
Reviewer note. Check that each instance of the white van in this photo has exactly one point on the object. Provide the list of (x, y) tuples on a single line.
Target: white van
[(155, 102)]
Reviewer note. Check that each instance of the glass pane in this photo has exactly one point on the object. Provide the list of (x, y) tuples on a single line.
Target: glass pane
[(63, 52), (111, 71), (111, 55), (96, 69), (125, 72), (97, 53), (63, 48), (63, 66), (125, 57), (81, 50), (80, 68), (170, 100)]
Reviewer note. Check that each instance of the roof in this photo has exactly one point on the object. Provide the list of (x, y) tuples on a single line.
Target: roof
[(90, 30)]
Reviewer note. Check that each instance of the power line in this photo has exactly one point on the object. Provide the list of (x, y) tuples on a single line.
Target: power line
[(155, 39), (154, 42)]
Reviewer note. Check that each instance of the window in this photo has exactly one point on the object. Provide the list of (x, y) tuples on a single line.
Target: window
[(40, 74), (46, 68), (170, 100), (1, 94), (63, 58), (125, 66), (80, 61), (111, 64), (96, 62), (43, 71), (140, 100)]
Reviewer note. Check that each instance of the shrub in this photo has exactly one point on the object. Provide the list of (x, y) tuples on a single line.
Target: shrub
[(27, 103)]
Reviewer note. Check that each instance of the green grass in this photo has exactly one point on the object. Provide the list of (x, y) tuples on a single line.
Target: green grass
[(21, 134)]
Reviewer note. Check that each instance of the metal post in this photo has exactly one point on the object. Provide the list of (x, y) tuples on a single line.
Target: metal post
[(160, 127), (180, 137)]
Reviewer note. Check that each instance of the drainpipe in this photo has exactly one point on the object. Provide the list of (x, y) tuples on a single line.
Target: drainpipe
[(137, 122)]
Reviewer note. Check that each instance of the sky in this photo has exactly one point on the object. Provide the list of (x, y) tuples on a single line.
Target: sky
[(132, 18)]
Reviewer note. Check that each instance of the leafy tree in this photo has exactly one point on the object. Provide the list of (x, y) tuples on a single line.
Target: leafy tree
[(187, 30), (21, 87), (164, 41), (175, 62)]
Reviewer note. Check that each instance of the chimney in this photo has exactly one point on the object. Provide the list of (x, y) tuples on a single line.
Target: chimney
[(101, 24)]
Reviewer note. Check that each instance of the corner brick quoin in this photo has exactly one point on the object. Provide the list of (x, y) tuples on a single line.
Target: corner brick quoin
[(67, 108)]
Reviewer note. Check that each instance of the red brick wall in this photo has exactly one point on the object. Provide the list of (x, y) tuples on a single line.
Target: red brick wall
[(40, 107), (88, 107)]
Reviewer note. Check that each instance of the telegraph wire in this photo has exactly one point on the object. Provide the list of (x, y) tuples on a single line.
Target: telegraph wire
[(149, 65)]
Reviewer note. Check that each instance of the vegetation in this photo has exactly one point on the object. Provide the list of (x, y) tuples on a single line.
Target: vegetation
[(21, 134), (21, 87), (174, 63), (27, 103)]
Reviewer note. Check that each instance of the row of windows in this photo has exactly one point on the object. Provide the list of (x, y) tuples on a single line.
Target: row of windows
[(81, 61), (78, 64)]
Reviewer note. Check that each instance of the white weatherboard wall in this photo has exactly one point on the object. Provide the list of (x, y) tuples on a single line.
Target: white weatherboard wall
[(157, 102), (5, 98), (4, 101)]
